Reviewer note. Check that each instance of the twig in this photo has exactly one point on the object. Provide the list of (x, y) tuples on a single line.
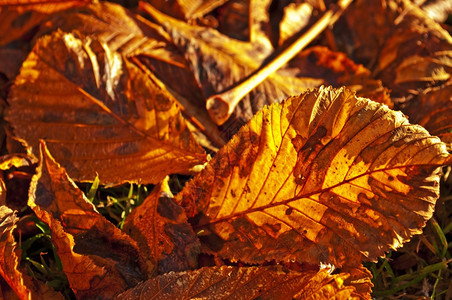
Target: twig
[(221, 106)]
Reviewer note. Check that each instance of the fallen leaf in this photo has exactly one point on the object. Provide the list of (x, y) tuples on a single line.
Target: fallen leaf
[(432, 108), (24, 286), (324, 177), (244, 283), (18, 17), (98, 259), (337, 70), (186, 10), (219, 62), (115, 116), (160, 227), (114, 25)]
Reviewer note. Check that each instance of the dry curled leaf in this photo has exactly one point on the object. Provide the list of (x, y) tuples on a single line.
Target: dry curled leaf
[(160, 227), (23, 285), (98, 259), (324, 177), (244, 283), (99, 113)]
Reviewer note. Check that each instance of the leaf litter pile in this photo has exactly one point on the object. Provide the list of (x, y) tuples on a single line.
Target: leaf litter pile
[(225, 149)]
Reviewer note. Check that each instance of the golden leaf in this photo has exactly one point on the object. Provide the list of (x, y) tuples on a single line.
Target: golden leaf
[(163, 234), (324, 177), (244, 283), (99, 113), (18, 280), (98, 259)]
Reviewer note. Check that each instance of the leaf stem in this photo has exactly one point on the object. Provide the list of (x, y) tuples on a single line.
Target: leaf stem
[(221, 106)]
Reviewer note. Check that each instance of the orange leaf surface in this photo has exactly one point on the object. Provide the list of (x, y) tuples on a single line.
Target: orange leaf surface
[(324, 177), (17, 17), (99, 113), (161, 229), (244, 283), (18, 280), (98, 259)]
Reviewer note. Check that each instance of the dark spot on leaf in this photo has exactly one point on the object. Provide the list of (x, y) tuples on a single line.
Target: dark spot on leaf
[(289, 211), (44, 197), (390, 178), (121, 254), (127, 149), (22, 19), (169, 209), (184, 254), (212, 241)]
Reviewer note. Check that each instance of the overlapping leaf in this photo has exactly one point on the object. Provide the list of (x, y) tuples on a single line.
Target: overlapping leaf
[(99, 113), (337, 70), (17, 18), (17, 278), (324, 177), (245, 283), (114, 25), (219, 62), (432, 108), (161, 229), (98, 259)]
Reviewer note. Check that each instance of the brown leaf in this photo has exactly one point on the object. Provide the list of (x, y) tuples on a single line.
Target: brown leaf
[(99, 260), (20, 282), (115, 116), (324, 177), (18, 17), (15, 175), (135, 37), (432, 109), (114, 25), (186, 10), (219, 62), (407, 50), (337, 70), (160, 227), (244, 283)]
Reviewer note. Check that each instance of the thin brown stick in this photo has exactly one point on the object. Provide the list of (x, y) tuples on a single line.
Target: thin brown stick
[(221, 106)]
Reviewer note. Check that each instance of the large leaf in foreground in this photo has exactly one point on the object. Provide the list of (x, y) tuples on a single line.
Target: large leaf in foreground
[(245, 283), (99, 113), (98, 259), (323, 177)]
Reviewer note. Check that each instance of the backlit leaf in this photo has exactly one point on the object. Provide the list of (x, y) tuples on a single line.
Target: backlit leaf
[(99, 113), (17, 278), (324, 177), (244, 283), (160, 227), (98, 259)]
